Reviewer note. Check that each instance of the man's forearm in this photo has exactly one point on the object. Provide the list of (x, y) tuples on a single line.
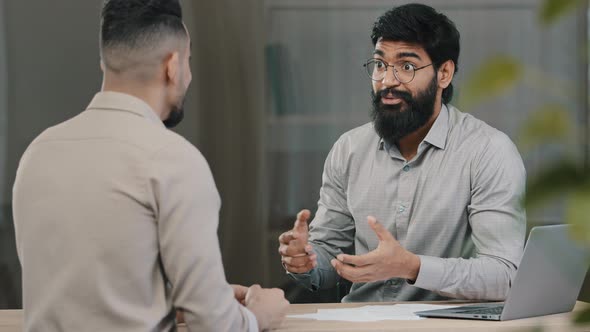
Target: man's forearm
[(321, 277), (481, 278)]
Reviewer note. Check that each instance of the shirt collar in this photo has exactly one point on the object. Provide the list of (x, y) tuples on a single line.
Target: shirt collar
[(382, 144), (437, 135), (110, 100)]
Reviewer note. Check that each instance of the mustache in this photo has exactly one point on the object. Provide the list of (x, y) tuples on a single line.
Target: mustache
[(405, 96)]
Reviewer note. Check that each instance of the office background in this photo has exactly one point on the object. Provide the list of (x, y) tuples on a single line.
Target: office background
[(275, 83)]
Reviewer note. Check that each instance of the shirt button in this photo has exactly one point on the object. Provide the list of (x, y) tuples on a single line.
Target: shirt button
[(401, 208), (406, 168)]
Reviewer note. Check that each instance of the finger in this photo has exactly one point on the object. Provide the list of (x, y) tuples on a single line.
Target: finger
[(298, 261), (345, 271), (311, 265), (240, 292), (287, 237), (295, 248), (357, 260), (278, 291), (295, 261), (352, 273), (382, 233), (294, 267), (291, 249), (301, 222), (252, 290)]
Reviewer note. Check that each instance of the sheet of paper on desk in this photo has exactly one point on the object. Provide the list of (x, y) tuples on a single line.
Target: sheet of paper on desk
[(372, 313)]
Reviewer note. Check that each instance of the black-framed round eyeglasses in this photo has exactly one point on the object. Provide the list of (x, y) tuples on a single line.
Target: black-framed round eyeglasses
[(403, 71)]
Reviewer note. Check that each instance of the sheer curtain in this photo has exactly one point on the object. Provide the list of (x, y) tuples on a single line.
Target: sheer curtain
[(227, 106)]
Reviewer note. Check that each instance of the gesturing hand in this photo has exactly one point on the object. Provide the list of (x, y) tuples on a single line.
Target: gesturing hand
[(388, 260), (240, 292), (296, 254)]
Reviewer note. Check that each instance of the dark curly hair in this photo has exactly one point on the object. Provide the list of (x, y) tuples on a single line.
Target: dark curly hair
[(422, 25)]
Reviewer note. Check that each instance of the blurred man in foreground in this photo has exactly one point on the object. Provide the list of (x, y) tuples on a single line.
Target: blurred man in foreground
[(116, 216)]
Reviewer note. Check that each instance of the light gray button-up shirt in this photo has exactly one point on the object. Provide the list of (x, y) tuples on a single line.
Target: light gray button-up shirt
[(456, 204)]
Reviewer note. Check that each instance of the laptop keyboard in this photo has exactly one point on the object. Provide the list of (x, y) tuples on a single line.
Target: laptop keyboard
[(486, 311)]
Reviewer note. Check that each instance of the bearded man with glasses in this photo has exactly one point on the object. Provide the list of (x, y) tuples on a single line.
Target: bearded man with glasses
[(445, 187)]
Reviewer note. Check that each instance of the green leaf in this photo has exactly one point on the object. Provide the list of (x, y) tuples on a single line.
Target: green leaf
[(562, 178), (493, 77), (583, 316), (551, 123), (577, 212), (551, 10)]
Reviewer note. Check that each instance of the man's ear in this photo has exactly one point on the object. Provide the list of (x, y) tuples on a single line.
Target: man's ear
[(102, 66), (445, 74), (172, 64)]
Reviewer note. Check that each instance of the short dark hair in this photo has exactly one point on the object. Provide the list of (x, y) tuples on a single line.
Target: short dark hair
[(138, 25), (422, 25)]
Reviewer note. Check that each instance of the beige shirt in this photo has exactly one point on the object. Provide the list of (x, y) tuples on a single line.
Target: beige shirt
[(456, 204), (116, 225)]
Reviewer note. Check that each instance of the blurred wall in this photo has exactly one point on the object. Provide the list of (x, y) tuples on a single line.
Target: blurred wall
[(52, 72), (53, 68), (3, 96)]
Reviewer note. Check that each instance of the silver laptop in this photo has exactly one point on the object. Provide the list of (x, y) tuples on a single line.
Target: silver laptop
[(547, 281)]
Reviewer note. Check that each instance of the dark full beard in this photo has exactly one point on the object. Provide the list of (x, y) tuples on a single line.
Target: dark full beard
[(394, 122), (176, 115)]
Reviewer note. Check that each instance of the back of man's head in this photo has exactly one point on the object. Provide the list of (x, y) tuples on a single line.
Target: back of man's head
[(136, 35), (424, 26)]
